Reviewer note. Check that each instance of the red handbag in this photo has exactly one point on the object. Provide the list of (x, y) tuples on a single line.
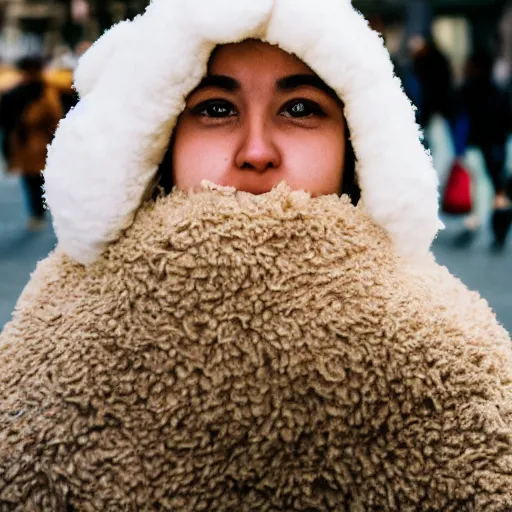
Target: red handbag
[(457, 193)]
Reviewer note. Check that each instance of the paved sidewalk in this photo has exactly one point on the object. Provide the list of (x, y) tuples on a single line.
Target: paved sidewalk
[(479, 268), (19, 249)]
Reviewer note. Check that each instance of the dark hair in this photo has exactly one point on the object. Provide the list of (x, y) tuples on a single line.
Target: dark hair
[(481, 63), (31, 64), (349, 186), (26, 94)]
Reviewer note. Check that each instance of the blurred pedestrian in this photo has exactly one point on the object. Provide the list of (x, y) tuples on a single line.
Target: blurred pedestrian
[(429, 84), (60, 72), (29, 115), (483, 122), (433, 73)]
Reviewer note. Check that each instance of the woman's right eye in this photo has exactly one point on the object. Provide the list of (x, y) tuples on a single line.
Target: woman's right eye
[(217, 109)]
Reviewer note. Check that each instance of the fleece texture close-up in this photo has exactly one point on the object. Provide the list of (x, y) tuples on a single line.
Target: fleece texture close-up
[(232, 352)]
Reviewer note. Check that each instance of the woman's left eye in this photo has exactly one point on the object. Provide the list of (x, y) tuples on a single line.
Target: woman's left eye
[(302, 108)]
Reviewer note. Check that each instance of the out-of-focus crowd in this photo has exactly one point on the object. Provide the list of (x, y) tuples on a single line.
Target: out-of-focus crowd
[(467, 128), (34, 96)]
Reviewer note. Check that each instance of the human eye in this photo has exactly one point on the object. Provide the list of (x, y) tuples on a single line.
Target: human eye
[(216, 109), (301, 108)]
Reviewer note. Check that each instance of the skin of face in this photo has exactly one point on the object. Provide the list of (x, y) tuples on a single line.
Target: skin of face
[(261, 116)]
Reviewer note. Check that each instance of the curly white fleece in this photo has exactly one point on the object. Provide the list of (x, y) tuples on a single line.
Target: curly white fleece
[(133, 83)]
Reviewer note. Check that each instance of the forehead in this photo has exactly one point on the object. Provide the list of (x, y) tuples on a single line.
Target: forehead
[(255, 57)]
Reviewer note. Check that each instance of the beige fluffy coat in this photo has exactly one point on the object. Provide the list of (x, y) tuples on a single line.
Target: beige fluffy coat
[(253, 353)]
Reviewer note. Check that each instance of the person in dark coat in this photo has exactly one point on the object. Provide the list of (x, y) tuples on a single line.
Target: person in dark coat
[(29, 115), (483, 121), (430, 85)]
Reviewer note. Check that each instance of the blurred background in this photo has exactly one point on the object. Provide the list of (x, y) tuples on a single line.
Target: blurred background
[(454, 58)]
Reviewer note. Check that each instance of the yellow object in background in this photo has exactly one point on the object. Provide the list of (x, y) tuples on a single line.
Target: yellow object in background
[(9, 78), (61, 79)]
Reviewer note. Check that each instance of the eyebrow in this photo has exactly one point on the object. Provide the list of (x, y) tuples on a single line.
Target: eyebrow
[(287, 83), (225, 83), (291, 82)]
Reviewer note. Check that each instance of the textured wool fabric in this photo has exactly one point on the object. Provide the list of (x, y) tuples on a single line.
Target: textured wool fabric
[(233, 352)]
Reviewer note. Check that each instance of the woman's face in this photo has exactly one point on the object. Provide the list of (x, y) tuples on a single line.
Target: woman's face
[(260, 116)]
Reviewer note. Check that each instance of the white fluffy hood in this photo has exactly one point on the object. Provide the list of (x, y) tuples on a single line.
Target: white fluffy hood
[(133, 83)]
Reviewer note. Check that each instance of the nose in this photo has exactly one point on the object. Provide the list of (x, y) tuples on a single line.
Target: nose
[(258, 151)]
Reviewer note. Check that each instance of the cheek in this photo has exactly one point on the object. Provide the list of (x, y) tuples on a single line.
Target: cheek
[(316, 163), (198, 156)]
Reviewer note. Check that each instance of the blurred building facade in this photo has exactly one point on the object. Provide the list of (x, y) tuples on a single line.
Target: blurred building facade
[(28, 27), (458, 25), (41, 26)]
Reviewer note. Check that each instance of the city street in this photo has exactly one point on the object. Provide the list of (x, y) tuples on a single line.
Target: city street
[(19, 249), (490, 274)]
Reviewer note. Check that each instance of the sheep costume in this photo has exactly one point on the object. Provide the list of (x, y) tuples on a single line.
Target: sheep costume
[(222, 351)]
